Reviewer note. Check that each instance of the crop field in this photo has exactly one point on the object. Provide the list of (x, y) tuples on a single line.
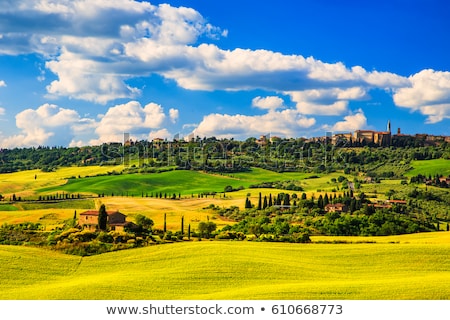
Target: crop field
[(400, 267), (24, 183)]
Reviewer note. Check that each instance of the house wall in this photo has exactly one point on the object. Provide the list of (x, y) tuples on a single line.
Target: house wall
[(116, 217)]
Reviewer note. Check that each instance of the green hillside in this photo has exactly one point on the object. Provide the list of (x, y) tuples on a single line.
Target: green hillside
[(429, 167), (177, 181), (234, 270)]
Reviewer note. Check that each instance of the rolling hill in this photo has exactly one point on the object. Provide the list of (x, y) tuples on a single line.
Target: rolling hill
[(415, 268)]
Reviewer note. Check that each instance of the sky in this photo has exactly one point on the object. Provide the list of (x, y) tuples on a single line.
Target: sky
[(84, 72)]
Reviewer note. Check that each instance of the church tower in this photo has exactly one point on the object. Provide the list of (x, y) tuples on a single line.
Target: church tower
[(389, 126)]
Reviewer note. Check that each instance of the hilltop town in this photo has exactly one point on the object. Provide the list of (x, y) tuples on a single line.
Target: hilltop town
[(382, 138)]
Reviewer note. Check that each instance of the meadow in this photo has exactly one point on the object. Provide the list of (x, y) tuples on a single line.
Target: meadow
[(429, 167), (185, 182), (411, 268)]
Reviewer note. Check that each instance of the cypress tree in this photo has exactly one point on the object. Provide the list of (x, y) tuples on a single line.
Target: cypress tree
[(182, 225), (102, 217), (286, 200), (165, 222), (270, 200), (189, 232), (259, 202), (326, 200), (248, 203), (265, 202), (320, 202)]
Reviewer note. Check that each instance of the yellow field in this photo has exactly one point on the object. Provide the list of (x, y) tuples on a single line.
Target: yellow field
[(193, 209), (23, 183), (415, 238), (235, 270)]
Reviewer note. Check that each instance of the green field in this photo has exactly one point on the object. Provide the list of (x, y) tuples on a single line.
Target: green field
[(178, 181), (234, 270), (429, 167)]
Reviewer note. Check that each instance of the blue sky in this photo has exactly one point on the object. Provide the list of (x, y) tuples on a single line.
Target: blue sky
[(79, 72)]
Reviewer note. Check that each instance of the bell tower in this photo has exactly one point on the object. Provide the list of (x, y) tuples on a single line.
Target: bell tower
[(389, 126)]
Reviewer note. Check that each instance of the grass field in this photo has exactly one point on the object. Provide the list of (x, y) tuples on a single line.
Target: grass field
[(24, 183), (429, 167), (180, 181), (415, 268)]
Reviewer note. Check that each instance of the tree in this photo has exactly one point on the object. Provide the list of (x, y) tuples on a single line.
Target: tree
[(102, 217), (320, 202), (165, 222), (248, 203), (255, 229), (260, 202), (206, 228), (286, 200), (326, 200), (182, 225), (265, 202), (144, 222)]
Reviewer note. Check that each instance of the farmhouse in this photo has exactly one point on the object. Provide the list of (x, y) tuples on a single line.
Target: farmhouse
[(398, 202), (116, 220), (336, 207)]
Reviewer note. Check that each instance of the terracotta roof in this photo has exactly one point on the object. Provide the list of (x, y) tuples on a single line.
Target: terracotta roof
[(95, 213), (338, 205)]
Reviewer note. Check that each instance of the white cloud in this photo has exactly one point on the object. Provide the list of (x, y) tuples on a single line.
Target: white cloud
[(52, 125), (350, 123), (87, 80), (2, 111), (161, 134), (268, 103), (129, 118), (47, 125), (173, 114), (326, 101), (428, 93), (2, 83), (84, 41), (288, 123), (95, 47)]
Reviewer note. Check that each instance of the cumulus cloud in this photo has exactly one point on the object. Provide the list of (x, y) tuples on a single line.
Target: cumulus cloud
[(2, 111), (46, 125), (2, 83), (288, 123), (326, 101), (84, 42), (173, 114), (351, 122), (428, 93), (269, 103), (160, 134), (50, 124), (129, 118), (95, 47)]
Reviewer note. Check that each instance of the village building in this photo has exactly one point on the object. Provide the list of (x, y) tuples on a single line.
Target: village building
[(398, 202), (336, 207), (115, 221)]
